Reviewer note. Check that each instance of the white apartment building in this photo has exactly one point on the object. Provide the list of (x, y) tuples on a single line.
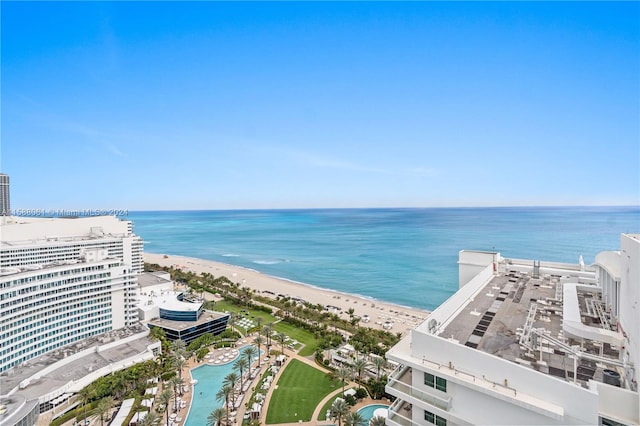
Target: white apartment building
[(63, 280), (526, 343)]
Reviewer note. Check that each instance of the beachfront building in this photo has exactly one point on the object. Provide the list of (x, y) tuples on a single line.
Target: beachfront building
[(182, 316), (526, 342), (68, 308)]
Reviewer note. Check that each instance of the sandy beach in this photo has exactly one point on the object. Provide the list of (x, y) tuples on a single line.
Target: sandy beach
[(378, 312)]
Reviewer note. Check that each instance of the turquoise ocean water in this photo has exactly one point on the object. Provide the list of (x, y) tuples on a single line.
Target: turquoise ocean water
[(404, 256)]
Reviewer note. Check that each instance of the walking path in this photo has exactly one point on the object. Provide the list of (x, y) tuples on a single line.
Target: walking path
[(242, 409)]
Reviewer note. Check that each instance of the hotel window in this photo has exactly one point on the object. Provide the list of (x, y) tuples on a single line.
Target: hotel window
[(434, 419), (435, 382)]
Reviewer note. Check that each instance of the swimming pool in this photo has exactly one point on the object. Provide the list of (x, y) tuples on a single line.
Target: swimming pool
[(367, 411), (210, 378)]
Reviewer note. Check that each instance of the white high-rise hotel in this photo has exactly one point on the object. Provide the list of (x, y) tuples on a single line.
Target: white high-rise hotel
[(526, 342), (63, 280)]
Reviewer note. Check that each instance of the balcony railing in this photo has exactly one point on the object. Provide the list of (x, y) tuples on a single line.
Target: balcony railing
[(444, 403), (397, 419)]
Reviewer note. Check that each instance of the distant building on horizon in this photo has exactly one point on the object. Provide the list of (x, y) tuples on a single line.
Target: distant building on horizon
[(5, 201), (526, 342)]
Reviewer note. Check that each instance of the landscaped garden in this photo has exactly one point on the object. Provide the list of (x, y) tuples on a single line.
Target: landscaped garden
[(241, 311), (286, 323), (301, 335), (300, 390)]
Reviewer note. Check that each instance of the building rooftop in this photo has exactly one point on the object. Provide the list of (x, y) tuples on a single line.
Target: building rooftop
[(519, 317), (148, 279), (26, 231), (182, 325), (50, 266), (166, 300), (59, 377)]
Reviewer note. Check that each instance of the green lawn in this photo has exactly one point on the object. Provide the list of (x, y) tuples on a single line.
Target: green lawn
[(300, 389), (301, 335), (224, 306), (323, 413)]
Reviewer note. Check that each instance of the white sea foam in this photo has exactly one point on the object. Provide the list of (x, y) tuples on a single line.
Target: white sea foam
[(268, 261)]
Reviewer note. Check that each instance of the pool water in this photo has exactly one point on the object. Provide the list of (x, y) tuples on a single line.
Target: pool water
[(210, 378), (367, 411)]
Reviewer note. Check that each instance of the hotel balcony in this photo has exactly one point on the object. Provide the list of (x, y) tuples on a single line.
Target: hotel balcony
[(400, 413), (400, 385)]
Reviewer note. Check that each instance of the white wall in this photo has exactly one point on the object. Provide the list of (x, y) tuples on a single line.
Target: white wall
[(618, 404), (630, 295), (580, 405), (471, 263), (459, 300), (117, 307)]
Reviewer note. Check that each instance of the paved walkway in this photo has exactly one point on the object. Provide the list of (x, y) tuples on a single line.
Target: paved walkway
[(192, 363)]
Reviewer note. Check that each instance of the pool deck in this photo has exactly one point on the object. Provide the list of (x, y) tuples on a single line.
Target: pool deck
[(193, 363)]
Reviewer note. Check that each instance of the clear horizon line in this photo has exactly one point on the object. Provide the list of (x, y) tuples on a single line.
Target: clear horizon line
[(393, 208)]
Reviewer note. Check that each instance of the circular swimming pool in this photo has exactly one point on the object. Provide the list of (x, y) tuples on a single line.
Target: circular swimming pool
[(368, 410)]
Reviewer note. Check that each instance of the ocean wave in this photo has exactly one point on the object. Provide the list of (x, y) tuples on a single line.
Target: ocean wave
[(270, 261), (230, 255)]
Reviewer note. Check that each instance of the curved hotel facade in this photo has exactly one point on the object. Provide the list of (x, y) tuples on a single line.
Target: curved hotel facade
[(179, 316), (68, 296), (63, 280)]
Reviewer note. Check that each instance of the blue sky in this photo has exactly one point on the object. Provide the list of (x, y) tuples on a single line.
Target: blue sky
[(210, 105)]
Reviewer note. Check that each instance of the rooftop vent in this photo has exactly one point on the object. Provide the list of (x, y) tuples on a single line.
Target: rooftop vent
[(611, 377), (432, 325)]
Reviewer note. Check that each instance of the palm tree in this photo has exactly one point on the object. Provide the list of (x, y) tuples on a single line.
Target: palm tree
[(259, 322), (180, 364), (102, 409), (377, 421), (281, 338), (241, 365), (157, 333), (231, 379), (250, 353), (165, 399), (118, 385), (170, 362), (258, 341), (178, 347), (339, 409), (85, 394), (233, 317), (267, 332), (359, 365), (216, 417), (379, 362), (151, 419), (353, 418), (176, 383), (223, 396), (344, 375)]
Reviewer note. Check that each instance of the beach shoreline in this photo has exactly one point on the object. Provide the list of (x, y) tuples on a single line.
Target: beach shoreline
[(402, 318)]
